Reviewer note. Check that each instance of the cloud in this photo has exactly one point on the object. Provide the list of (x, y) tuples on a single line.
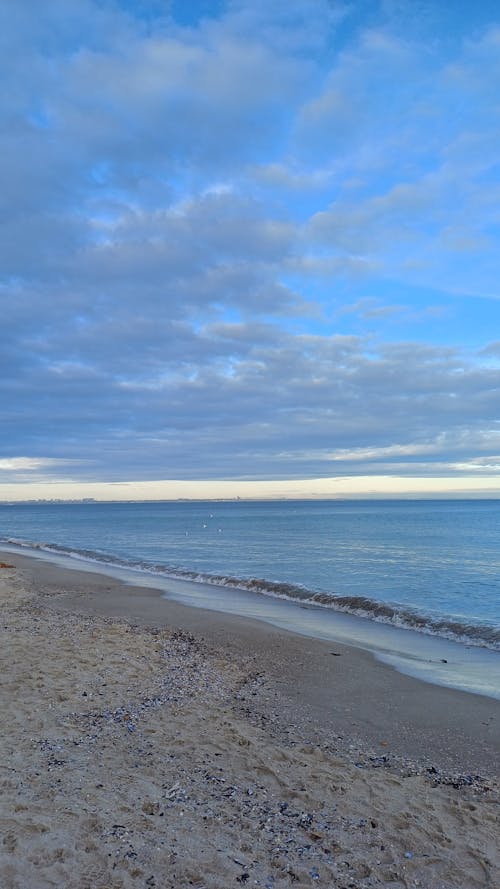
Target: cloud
[(428, 184), (368, 308), (249, 400), (226, 239), (14, 464), (33, 470)]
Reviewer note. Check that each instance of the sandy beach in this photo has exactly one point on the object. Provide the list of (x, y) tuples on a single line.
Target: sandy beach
[(146, 744)]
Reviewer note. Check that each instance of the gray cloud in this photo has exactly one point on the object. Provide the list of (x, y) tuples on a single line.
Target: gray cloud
[(192, 215), (248, 400)]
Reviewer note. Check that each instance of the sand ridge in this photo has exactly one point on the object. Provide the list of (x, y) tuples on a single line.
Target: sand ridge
[(146, 757)]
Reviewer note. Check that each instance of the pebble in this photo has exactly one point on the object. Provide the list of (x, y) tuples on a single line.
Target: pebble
[(290, 834)]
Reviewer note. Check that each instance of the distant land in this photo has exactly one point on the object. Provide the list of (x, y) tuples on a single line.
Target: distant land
[(451, 495), (54, 500)]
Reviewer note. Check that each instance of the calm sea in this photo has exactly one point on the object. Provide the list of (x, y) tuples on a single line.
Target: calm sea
[(433, 566)]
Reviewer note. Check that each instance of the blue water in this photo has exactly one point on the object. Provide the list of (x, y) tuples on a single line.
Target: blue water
[(433, 566)]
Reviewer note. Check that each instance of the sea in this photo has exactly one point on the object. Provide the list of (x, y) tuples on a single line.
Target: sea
[(417, 582)]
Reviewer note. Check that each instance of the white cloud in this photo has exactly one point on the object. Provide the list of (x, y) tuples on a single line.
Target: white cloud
[(20, 469), (26, 463)]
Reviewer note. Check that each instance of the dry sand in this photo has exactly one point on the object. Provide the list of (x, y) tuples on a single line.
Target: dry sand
[(149, 745)]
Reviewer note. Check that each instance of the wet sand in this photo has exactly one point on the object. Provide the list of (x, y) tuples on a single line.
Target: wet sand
[(145, 743)]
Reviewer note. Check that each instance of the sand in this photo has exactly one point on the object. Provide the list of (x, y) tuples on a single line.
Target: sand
[(145, 744)]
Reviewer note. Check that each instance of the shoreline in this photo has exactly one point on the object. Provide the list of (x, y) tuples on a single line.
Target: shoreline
[(146, 743), (319, 675), (427, 657)]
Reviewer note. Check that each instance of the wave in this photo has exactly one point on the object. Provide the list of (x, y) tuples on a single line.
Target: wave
[(478, 634)]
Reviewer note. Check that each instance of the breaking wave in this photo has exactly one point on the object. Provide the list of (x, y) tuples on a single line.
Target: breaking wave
[(478, 634)]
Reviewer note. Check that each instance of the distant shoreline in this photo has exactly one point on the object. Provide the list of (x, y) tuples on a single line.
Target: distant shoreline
[(411, 498)]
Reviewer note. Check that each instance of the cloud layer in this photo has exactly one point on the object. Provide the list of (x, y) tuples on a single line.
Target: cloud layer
[(246, 240)]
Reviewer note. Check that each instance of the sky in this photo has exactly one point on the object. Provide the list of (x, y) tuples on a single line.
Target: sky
[(249, 248)]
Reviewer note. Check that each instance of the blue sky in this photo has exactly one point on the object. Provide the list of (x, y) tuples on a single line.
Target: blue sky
[(249, 241)]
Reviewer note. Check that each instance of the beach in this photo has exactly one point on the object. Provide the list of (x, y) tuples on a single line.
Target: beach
[(148, 744)]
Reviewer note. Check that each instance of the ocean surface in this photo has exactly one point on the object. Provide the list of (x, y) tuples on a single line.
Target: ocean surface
[(431, 567)]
